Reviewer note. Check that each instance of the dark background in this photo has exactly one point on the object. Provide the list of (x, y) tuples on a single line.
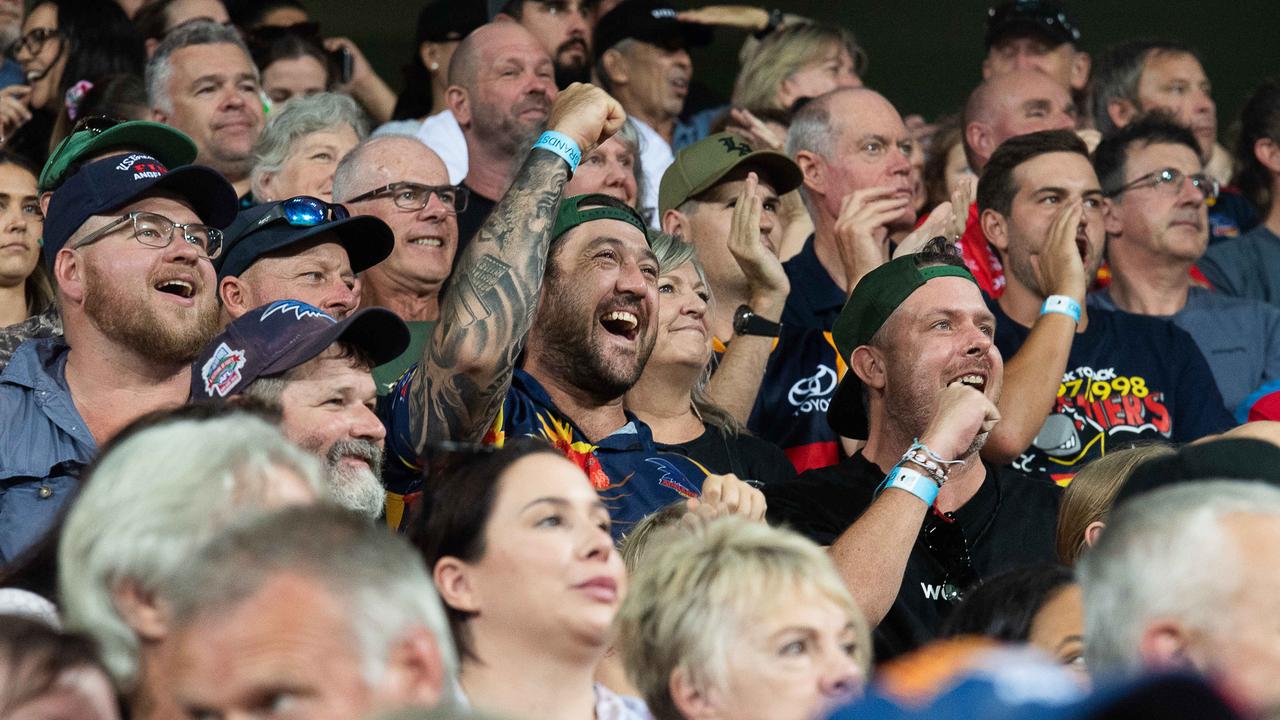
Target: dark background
[(925, 54)]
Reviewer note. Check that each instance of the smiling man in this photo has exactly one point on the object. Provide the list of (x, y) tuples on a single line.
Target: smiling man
[(315, 369), (128, 243)]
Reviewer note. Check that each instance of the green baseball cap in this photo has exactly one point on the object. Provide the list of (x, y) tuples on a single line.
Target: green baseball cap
[(702, 164), (572, 213), (874, 299), (96, 139)]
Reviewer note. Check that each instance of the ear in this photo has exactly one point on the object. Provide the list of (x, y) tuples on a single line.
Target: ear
[(45, 198), (140, 610), (616, 66), (1111, 219), (459, 103), (986, 69), (868, 364), (1268, 153), (1093, 531), (979, 137), (427, 54), (692, 703), (450, 575), (235, 296), (150, 45), (1120, 111), (813, 169), (158, 115), (1081, 63), (1165, 645), (995, 228), (68, 271), (415, 671), (675, 222), (265, 180)]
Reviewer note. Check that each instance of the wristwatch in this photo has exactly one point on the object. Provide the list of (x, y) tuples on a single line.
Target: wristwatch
[(747, 322)]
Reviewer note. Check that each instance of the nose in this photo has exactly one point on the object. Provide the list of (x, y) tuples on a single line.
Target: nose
[(435, 209), (366, 426), (681, 58), (631, 279), (978, 343), (343, 299), (842, 678), (231, 98), (1190, 194), (595, 542), (694, 306), (768, 220), (179, 250)]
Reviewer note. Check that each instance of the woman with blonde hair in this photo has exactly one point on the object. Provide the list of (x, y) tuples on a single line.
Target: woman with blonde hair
[(799, 60), (1087, 502)]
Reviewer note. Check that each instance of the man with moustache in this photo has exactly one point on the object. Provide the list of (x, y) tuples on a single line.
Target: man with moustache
[(1124, 378), (501, 86), (562, 28), (314, 369), (585, 331), (403, 183), (129, 244), (915, 518), (202, 81), (1157, 228)]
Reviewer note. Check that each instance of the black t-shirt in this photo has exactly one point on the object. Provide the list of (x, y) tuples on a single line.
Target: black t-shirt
[(1129, 378), (1007, 524), (746, 456), (470, 220)]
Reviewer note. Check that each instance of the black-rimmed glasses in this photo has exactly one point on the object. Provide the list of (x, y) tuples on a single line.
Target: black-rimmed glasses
[(154, 230), (412, 196), (1169, 181), (33, 42)]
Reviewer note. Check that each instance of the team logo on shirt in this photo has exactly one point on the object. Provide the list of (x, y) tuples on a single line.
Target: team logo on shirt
[(813, 393)]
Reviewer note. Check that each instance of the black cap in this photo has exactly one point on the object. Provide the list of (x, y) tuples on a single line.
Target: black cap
[(111, 183), (1040, 17), (449, 20), (648, 21), (367, 240), (282, 335), (1221, 459)]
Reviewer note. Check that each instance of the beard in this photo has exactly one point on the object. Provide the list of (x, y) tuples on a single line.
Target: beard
[(356, 488), (577, 354), (574, 70), (138, 325), (501, 127)]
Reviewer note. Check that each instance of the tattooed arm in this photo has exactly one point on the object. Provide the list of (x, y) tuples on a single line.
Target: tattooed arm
[(485, 315)]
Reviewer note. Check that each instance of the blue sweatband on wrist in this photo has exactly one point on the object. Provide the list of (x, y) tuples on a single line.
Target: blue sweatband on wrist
[(562, 145), (916, 483), (1062, 305)]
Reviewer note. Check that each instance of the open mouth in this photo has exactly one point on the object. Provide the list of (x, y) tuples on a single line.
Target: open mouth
[(1082, 246), (431, 241), (36, 74), (973, 380), (621, 323), (181, 288)]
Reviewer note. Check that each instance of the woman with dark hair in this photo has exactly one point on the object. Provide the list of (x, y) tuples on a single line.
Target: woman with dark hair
[(66, 46), (520, 549), (1249, 266), (24, 285), (1038, 605), (292, 64)]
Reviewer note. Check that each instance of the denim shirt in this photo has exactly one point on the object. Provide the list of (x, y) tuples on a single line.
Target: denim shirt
[(44, 444)]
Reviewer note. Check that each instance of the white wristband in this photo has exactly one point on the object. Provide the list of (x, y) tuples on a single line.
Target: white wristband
[(1062, 305)]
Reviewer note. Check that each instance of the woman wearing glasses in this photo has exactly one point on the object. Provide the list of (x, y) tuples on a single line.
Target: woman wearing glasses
[(66, 45), (301, 145)]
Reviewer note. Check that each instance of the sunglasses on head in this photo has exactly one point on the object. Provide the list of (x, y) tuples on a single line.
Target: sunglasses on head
[(303, 211)]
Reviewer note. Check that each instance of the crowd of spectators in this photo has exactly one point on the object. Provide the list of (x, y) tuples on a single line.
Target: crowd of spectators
[(549, 382)]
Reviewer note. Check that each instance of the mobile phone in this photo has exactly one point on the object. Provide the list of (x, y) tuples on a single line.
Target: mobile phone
[(344, 63)]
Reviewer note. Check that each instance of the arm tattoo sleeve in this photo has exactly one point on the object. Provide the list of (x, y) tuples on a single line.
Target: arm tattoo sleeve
[(487, 311)]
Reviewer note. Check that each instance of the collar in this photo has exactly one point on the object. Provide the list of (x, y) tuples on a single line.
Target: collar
[(38, 364), (634, 435), (808, 266)]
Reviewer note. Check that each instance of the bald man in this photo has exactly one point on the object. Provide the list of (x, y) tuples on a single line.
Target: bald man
[(1015, 103), (854, 152), (501, 86), (403, 183)]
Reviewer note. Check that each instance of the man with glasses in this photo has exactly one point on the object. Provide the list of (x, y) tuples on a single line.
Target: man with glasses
[(302, 249), (129, 244), (916, 517), (406, 185), (1157, 228), (1122, 378)]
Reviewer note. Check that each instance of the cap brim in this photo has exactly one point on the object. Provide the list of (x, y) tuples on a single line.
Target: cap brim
[(845, 414), (212, 197), (367, 240), (170, 146), (782, 173), (377, 331), (1027, 26)]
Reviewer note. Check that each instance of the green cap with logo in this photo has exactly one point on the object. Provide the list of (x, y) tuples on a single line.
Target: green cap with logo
[(704, 163), (579, 209), (98, 137), (874, 299)]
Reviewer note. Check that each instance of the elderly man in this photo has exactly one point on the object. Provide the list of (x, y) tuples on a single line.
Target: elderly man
[(562, 28), (309, 607), (126, 532), (1184, 578), (642, 59), (301, 248), (1035, 35), (136, 308), (1121, 377), (922, 386), (589, 328), (202, 81), (1139, 76), (501, 86), (403, 183), (1157, 228), (314, 369)]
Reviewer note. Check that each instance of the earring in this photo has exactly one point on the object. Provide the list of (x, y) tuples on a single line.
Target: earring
[(435, 66)]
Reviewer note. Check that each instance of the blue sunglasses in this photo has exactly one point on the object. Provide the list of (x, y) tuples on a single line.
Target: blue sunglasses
[(303, 211)]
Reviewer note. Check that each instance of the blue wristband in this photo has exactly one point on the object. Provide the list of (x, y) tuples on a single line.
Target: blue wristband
[(1062, 305), (916, 483), (562, 145)]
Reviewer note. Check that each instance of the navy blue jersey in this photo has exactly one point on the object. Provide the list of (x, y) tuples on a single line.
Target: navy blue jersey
[(629, 471)]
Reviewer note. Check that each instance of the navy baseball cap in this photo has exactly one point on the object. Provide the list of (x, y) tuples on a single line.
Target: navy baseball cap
[(282, 335), (651, 21), (367, 240), (109, 184), (1047, 18)]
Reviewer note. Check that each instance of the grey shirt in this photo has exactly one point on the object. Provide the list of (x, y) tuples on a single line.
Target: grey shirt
[(1246, 266), (1239, 337)]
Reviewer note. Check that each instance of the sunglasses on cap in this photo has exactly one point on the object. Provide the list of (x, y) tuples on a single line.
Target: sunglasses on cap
[(302, 211)]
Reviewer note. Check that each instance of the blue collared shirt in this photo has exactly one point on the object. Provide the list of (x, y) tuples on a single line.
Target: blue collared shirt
[(44, 444)]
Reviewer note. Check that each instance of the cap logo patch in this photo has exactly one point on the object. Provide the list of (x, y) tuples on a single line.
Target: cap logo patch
[(298, 309), (221, 373), (143, 166), (663, 13), (730, 145)]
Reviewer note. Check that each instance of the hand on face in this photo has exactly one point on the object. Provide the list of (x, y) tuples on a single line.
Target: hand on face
[(963, 413), (861, 227), (759, 261), (1062, 259)]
